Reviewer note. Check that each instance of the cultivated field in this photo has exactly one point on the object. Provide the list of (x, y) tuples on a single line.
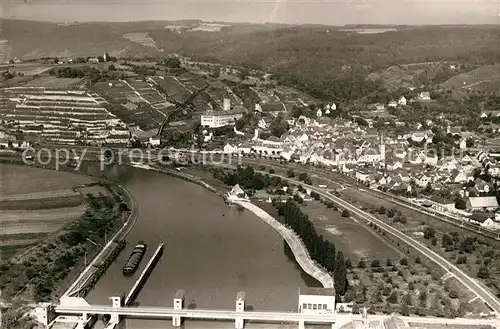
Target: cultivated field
[(53, 82), (49, 192), (134, 101), (141, 38), (485, 78), (469, 251), (349, 236), (60, 116)]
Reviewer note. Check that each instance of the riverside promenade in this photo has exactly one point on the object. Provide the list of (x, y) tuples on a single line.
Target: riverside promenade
[(296, 245)]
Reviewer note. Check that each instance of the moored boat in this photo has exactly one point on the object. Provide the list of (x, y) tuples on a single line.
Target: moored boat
[(135, 258)]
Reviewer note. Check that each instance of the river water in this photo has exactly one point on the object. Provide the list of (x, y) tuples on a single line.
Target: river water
[(212, 251)]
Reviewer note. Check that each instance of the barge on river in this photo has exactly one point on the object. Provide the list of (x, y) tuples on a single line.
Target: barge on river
[(135, 258)]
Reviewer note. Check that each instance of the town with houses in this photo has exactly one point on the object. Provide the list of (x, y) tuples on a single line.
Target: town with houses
[(248, 114)]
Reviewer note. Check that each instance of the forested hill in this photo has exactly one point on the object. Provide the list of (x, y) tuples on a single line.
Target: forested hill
[(326, 61)]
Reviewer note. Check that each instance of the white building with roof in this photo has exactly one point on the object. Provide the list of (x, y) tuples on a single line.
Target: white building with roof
[(317, 300), (482, 203), (220, 119)]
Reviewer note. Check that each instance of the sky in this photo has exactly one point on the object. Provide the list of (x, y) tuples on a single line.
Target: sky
[(328, 12)]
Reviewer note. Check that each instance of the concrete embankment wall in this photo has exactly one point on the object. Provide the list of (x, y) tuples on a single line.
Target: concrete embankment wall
[(296, 245)]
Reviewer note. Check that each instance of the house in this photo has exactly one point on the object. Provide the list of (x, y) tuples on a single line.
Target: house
[(402, 101), (420, 136), (454, 130), (482, 203), (262, 124), (459, 177), (319, 113), (379, 107), (424, 96), (228, 148), (491, 224), (393, 103), (481, 186), (154, 140), (394, 165), (463, 144), (423, 180), (490, 114)]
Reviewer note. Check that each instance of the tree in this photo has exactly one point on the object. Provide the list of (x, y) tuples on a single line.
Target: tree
[(361, 264), (417, 260), (429, 233), (404, 261), (393, 298), (423, 299), (391, 213), (446, 241), (381, 210), (302, 176), (271, 171), (279, 126), (462, 260), (172, 62), (340, 275), (345, 213), (460, 203), (375, 263), (290, 173), (240, 124), (111, 68), (483, 273)]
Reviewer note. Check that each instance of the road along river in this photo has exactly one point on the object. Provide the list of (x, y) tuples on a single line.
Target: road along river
[(212, 251)]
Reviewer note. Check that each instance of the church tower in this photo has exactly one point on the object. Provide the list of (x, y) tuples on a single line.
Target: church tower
[(382, 147)]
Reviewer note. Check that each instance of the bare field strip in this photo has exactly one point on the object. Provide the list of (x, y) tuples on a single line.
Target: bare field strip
[(22, 179), (30, 222), (18, 242), (53, 82), (20, 236), (40, 195), (47, 203)]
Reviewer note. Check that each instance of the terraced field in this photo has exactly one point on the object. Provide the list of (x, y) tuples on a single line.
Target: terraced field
[(60, 116), (135, 101)]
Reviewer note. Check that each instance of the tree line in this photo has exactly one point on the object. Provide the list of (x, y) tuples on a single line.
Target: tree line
[(320, 250), (247, 178)]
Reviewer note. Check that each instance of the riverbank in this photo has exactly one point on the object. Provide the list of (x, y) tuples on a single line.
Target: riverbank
[(296, 245), (42, 272), (89, 276)]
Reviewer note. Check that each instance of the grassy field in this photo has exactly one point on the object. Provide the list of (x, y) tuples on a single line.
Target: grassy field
[(21, 180), (53, 82), (485, 78), (349, 236), (34, 203)]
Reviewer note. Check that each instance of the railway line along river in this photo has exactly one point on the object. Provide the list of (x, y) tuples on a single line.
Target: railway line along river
[(212, 251)]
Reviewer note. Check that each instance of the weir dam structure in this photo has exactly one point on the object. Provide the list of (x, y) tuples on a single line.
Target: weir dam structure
[(74, 306)]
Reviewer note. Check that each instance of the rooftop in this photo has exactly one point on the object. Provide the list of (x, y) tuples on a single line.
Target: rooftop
[(317, 291), (483, 202)]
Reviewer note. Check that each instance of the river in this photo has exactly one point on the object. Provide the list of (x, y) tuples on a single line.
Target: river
[(212, 251)]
